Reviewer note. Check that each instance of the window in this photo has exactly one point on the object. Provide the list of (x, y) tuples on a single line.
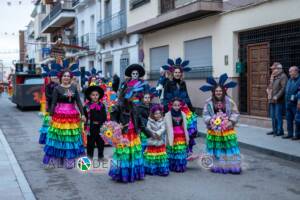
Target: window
[(199, 53), (158, 58), (92, 24), (137, 3), (82, 27), (91, 64)]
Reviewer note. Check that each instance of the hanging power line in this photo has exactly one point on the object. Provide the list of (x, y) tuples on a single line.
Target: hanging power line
[(18, 2)]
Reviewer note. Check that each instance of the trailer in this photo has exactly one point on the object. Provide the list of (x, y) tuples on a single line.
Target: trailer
[(27, 90)]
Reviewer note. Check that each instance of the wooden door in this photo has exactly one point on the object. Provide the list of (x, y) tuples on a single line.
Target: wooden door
[(258, 66)]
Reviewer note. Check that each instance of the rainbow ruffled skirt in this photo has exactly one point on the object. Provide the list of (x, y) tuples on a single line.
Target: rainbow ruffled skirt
[(156, 160), (223, 147), (191, 119), (177, 153), (143, 139), (44, 129), (127, 164), (64, 141)]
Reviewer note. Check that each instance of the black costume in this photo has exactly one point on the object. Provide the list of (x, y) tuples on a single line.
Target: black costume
[(66, 95), (95, 114), (176, 88)]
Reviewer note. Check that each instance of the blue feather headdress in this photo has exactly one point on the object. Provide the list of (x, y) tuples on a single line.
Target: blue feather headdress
[(152, 92), (49, 71), (92, 73), (222, 83), (74, 67), (178, 63)]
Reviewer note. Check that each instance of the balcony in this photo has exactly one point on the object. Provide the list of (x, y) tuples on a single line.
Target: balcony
[(60, 15), (173, 12), (88, 41), (79, 3), (112, 27)]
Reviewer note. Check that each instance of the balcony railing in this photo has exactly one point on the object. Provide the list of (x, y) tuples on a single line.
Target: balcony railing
[(168, 5), (75, 2), (88, 41), (112, 26), (55, 11)]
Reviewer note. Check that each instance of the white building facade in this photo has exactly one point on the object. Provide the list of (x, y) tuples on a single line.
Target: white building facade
[(118, 49), (87, 16)]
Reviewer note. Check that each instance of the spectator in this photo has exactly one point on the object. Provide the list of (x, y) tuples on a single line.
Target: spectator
[(291, 103), (116, 83), (275, 93)]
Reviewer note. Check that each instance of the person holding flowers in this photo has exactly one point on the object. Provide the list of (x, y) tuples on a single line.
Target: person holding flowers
[(220, 114), (155, 156), (95, 114), (127, 164), (177, 137)]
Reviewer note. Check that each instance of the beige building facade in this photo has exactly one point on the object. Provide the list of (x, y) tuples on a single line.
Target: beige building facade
[(212, 41)]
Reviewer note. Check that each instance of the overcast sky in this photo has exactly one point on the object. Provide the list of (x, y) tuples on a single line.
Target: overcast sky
[(12, 19)]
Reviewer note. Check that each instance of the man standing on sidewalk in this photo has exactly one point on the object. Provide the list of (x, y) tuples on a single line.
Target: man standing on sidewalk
[(291, 100), (275, 92)]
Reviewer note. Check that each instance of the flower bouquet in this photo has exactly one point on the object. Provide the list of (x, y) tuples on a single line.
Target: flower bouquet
[(220, 122), (111, 133)]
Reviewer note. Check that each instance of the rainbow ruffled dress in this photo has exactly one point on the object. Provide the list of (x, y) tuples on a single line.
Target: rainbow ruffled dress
[(156, 160), (143, 139), (44, 129), (191, 120), (177, 153), (223, 147), (127, 164), (64, 142), (155, 156)]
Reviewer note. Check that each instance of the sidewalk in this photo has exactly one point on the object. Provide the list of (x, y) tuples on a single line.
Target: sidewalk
[(255, 138), (13, 184)]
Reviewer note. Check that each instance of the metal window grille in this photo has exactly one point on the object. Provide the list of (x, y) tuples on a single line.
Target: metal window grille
[(284, 43)]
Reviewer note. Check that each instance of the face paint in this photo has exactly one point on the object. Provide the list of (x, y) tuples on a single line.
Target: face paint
[(135, 75)]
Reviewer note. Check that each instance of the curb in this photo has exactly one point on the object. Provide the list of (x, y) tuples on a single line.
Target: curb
[(21, 179), (263, 150)]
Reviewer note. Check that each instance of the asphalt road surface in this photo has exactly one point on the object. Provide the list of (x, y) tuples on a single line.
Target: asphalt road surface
[(264, 177)]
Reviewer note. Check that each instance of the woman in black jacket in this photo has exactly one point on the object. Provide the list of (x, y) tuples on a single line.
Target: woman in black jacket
[(176, 88)]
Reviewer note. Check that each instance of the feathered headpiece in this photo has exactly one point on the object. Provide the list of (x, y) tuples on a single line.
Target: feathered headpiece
[(222, 83), (74, 67), (182, 65), (92, 73), (153, 92), (139, 86), (49, 71)]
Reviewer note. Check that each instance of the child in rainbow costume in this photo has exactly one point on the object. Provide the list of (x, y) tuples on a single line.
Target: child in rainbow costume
[(155, 155), (49, 74), (127, 164), (221, 115), (177, 137), (143, 115), (64, 142), (176, 87)]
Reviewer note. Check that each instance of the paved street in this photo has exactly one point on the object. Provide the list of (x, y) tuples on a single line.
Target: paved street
[(264, 177)]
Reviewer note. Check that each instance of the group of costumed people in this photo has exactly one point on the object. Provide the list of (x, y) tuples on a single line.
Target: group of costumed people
[(152, 129)]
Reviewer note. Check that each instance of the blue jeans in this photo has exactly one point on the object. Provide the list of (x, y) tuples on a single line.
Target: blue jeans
[(276, 111), (291, 111)]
